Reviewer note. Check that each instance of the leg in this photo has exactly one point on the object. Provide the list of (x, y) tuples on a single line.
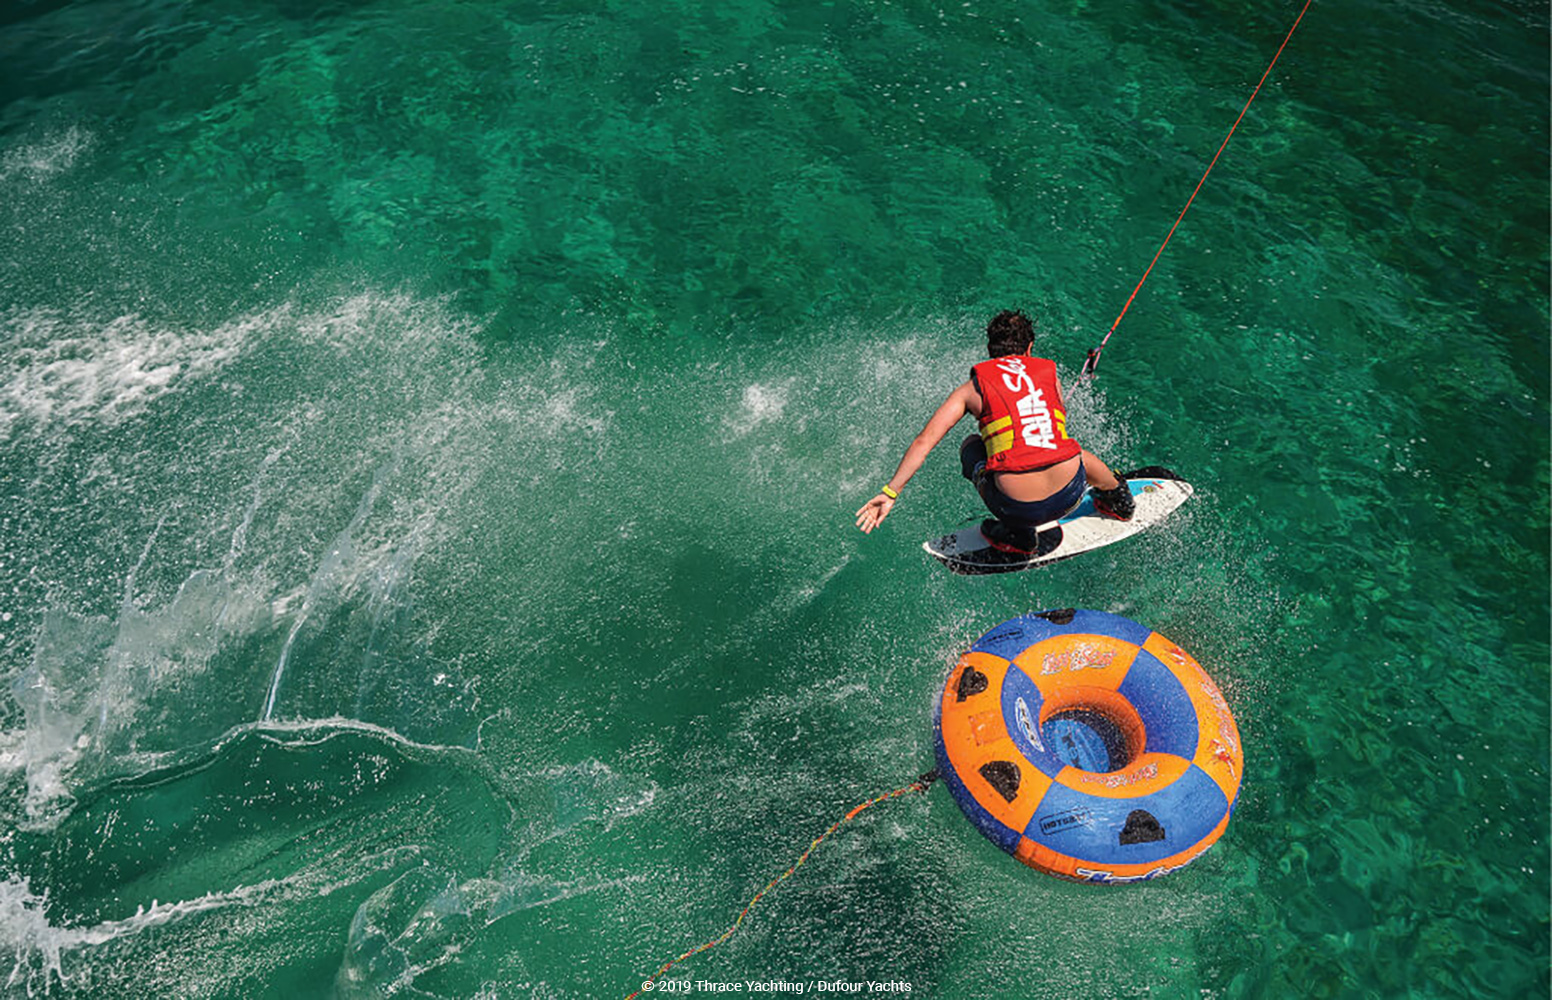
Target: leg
[(1006, 531), (1114, 500), (972, 453), (972, 465), (1098, 472)]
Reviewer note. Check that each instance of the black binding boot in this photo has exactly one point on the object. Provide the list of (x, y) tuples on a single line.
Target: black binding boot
[(1117, 503), (1010, 539)]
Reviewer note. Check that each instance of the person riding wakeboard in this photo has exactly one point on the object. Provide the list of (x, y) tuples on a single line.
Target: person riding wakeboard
[(1026, 469)]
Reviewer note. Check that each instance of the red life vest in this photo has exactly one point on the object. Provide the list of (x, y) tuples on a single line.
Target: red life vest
[(1023, 418)]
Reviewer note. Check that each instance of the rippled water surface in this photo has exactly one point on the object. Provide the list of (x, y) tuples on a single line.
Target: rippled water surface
[(429, 434)]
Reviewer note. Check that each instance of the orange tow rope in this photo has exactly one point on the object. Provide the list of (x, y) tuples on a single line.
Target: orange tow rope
[(1091, 363), (919, 785)]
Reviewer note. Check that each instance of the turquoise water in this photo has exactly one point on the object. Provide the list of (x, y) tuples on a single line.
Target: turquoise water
[(429, 435)]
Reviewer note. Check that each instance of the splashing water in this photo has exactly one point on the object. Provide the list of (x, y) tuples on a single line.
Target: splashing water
[(427, 452)]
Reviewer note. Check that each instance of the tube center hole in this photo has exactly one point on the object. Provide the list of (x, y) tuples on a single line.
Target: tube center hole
[(1087, 739)]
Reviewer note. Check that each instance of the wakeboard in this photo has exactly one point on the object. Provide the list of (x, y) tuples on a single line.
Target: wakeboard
[(1157, 491)]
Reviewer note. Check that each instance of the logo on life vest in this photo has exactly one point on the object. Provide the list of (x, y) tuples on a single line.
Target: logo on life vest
[(1037, 426)]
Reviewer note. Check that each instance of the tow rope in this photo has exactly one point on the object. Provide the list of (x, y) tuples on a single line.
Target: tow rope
[(1091, 363), (921, 784)]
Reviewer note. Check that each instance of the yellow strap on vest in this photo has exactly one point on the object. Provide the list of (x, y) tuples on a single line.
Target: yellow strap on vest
[(998, 436)]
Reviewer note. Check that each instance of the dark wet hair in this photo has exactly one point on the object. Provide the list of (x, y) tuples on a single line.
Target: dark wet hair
[(1009, 332)]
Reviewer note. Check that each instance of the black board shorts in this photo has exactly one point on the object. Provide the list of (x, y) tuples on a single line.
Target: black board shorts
[(1017, 513)]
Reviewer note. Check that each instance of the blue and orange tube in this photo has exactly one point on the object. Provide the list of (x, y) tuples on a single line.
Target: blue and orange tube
[(1088, 746)]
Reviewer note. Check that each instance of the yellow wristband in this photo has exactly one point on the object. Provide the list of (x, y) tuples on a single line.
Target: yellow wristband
[(891, 494)]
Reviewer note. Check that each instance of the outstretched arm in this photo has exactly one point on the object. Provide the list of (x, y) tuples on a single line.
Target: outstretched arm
[(872, 513)]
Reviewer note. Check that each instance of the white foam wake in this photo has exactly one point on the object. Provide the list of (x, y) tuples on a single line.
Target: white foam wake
[(40, 946), (51, 155), (56, 370)]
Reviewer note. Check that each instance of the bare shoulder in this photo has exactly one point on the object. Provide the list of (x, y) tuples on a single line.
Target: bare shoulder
[(970, 396)]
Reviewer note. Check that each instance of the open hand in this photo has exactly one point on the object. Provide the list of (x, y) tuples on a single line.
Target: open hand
[(871, 514)]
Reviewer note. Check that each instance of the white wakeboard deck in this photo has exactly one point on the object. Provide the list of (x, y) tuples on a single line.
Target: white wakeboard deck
[(1157, 491)]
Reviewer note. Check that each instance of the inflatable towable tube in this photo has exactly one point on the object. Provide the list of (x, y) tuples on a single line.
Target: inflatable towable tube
[(1088, 746)]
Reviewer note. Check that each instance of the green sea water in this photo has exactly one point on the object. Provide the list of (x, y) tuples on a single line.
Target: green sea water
[(430, 432)]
